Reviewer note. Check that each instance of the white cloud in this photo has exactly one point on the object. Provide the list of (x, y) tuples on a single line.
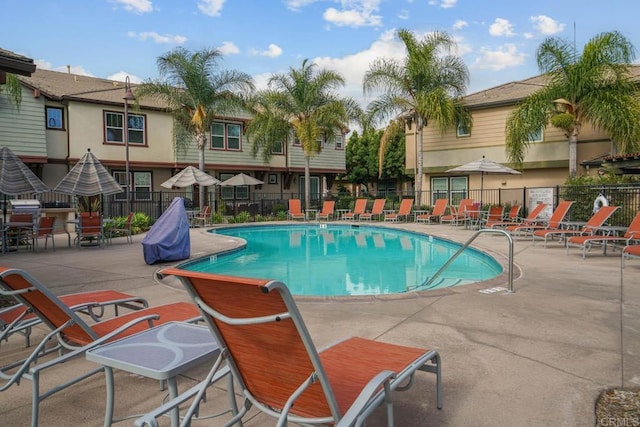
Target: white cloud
[(460, 24), (73, 69), (272, 52), (462, 48), (137, 6), (528, 35), (228, 48), (501, 27), (211, 7), (352, 18), (121, 76), (403, 14), (546, 25), (158, 38), (445, 4), (503, 57), (296, 5)]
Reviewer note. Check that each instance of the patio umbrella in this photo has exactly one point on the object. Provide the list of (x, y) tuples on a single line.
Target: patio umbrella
[(189, 176), (483, 166), (88, 178), (241, 179), (16, 178)]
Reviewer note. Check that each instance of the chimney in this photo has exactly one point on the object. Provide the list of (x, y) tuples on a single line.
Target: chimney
[(69, 69)]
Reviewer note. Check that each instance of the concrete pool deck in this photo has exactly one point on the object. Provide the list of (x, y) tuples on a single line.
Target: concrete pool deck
[(538, 356)]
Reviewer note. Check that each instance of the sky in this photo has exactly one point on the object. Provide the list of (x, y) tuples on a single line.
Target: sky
[(497, 39)]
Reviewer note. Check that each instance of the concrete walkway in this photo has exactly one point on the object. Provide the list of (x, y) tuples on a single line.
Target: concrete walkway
[(536, 357)]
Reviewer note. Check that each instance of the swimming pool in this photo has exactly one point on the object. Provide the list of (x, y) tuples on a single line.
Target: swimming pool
[(338, 260)]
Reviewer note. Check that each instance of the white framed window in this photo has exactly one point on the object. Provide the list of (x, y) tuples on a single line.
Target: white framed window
[(279, 149), (454, 188), (238, 192), (54, 118), (226, 136), (537, 136), (339, 139), (113, 128), (463, 130), (140, 184)]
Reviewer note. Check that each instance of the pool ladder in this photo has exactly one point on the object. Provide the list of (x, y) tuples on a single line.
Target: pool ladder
[(466, 245)]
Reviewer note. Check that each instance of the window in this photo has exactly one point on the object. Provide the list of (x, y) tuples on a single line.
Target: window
[(114, 128), (54, 118), (454, 188), (537, 136), (339, 139), (279, 149), (226, 136), (463, 129), (239, 192), (140, 185)]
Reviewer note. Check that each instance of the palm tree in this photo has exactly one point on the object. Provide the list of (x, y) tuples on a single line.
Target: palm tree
[(426, 86), (304, 99), (13, 89), (196, 92), (594, 87)]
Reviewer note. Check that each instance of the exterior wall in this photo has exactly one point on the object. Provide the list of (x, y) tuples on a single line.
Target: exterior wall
[(22, 129)]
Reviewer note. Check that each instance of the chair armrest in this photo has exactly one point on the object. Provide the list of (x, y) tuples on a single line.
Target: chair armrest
[(364, 398)]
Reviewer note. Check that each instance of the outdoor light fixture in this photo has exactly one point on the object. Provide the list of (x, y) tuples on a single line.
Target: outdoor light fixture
[(128, 96)]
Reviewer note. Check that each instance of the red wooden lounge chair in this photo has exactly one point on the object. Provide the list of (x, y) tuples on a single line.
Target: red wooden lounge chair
[(359, 208), (586, 242), (72, 333), (439, 209), (403, 211), (597, 220), (295, 209), (377, 210), (552, 224), (327, 210), (530, 219), (271, 355)]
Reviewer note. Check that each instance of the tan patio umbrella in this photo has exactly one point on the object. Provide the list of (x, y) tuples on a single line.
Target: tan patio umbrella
[(189, 176), (483, 166), (241, 179), (16, 178)]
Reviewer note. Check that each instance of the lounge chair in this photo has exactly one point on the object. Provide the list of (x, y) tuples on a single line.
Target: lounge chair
[(270, 354), (403, 211), (327, 210), (295, 210), (552, 224), (596, 221), (586, 242), (439, 209), (494, 215), (377, 210), (532, 218), (628, 252), (359, 208), (18, 319), (72, 333), (510, 219), (456, 213)]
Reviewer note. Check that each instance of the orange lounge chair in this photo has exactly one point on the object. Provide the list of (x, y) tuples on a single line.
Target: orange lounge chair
[(530, 219), (359, 208), (596, 221), (510, 219), (19, 319), (494, 215), (202, 218), (456, 214), (271, 355), (72, 333), (439, 209), (628, 252), (295, 209), (327, 210), (377, 210), (403, 211), (553, 224), (586, 242)]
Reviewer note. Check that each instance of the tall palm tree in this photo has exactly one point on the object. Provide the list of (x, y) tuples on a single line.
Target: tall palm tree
[(426, 86), (593, 87), (306, 100), (197, 92)]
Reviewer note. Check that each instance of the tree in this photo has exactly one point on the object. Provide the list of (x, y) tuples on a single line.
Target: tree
[(13, 89), (593, 87), (425, 86), (304, 99), (197, 92)]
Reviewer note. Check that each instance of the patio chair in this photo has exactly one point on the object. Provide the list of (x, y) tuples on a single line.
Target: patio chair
[(494, 215), (403, 211), (295, 210), (18, 319), (70, 332), (596, 221), (456, 213), (272, 357), (203, 217), (509, 219), (90, 230), (124, 230), (628, 252), (377, 210), (552, 224), (44, 229), (439, 209), (359, 208), (327, 210), (530, 219), (631, 234)]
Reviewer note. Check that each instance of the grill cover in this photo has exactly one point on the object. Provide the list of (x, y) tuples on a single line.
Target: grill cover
[(168, 239)]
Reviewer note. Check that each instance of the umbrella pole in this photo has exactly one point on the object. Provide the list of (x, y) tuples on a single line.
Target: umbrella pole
[(481, 188)]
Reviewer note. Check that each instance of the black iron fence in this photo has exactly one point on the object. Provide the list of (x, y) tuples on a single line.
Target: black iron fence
[(153, 204)]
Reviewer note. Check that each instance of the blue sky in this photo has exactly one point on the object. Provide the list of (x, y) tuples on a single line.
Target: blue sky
[(113, 38)]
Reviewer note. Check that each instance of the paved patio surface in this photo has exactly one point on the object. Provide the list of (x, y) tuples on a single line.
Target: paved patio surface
[(537, 357)]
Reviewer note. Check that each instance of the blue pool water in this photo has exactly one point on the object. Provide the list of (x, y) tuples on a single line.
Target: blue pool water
[(346, 260)]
